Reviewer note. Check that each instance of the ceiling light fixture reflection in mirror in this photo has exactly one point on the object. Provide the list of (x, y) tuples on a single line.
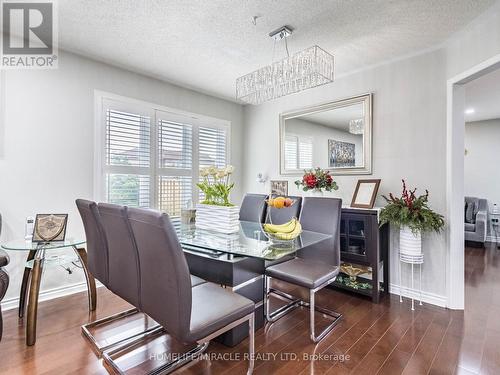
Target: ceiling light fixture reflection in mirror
[(336, 136)]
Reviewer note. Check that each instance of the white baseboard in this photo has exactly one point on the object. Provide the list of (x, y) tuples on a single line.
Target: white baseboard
[(13, 303), (430, 298), (492, 239)]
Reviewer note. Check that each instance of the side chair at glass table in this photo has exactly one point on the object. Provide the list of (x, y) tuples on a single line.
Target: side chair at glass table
[(39, 258)]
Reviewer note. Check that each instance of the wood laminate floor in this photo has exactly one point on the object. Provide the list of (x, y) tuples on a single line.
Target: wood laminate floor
[(386, 338)]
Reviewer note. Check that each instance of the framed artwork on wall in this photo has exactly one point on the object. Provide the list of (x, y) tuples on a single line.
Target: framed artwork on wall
[(341, 154), (365, 193), (50, 227), (279, 187)]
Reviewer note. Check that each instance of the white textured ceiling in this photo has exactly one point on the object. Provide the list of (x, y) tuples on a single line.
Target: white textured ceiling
[(207, 44), (483, 96)]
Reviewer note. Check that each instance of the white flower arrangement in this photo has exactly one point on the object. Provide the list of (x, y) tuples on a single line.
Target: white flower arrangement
[(216, 185)]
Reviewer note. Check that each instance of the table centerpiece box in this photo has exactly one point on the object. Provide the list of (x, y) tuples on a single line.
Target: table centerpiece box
[(216, 212), (218, 218)]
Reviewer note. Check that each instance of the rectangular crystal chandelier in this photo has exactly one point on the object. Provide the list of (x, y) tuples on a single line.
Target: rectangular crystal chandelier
[(306, 69)]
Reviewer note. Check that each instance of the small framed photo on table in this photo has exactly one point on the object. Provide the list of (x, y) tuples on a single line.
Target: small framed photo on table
[(365, 193), (50, 227)]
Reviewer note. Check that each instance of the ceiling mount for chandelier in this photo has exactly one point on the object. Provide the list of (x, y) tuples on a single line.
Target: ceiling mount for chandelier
[(303, 70)]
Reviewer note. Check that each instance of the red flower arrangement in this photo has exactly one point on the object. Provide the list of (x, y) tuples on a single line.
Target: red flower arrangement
[(318, 179)]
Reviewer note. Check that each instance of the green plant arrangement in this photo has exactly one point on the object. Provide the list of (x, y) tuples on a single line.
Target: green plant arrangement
[(216, 185), (317, 179), (412, 212)]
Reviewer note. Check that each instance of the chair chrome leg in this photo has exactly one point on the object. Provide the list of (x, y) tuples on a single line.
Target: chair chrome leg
[(251, 344), (312, 309), (99, 349), (275, 315), (110, 355), (164, 369), (282, 311)]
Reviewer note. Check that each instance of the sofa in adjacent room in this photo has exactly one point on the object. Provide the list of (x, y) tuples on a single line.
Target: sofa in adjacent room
[(476, 219)]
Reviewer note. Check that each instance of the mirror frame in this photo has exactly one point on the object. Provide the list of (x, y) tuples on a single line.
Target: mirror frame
[(366, 100)]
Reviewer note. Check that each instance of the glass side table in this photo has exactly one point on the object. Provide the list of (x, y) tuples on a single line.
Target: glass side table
[(38, 258)]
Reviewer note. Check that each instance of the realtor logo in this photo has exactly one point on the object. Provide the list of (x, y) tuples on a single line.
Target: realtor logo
[(29, 35)]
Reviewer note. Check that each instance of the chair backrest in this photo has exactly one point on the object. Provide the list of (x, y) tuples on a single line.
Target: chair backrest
[(322, 215), (283, 215), (97, 247), (165, 280), (123, 275), (253, 208)]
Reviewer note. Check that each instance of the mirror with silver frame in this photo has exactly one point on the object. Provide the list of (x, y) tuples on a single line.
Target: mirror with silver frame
[(335, 136)]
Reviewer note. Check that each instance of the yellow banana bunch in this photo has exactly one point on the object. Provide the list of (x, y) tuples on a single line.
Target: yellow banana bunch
[(287, 231), (281, 228), (291, 235)]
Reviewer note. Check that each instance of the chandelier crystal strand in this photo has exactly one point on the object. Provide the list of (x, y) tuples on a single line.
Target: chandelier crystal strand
[(309, 68)]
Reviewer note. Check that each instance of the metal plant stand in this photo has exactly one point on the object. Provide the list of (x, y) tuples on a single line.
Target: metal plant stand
[(413, 260)]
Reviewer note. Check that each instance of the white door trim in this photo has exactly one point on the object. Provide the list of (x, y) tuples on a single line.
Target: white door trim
[(455, 143)]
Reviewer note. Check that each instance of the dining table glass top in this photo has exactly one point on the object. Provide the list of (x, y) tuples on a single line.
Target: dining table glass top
[(249, 241), (25, 245)]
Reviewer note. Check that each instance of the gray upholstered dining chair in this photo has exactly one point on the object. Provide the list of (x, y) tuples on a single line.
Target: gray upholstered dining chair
[(283, 215), (98, 265), (253, 208), (192, 314), (114, 261), (315, 267)]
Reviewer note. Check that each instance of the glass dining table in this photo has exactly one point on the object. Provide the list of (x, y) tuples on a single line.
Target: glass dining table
[(41, 256), (250, 241)]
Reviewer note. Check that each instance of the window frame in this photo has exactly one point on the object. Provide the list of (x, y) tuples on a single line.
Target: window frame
[(104, 101)]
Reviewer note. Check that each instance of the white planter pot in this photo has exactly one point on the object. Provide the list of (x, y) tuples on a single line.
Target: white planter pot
[(218, 218), (409, 243), (316, 193)]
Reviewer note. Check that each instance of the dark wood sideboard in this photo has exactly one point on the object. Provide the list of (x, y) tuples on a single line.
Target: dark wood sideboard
[(365, 246)]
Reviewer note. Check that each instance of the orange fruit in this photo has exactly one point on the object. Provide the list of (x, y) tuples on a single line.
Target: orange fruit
[(270, 202), (279, 202)]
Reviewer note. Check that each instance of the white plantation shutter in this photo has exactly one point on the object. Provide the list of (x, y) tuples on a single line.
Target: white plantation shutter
[(298, 152), (175, 145), (212, 150), (212, 147), (305, 153), (127, 139), (127, 157), (291, 148), (175, 162), (151, 158)]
